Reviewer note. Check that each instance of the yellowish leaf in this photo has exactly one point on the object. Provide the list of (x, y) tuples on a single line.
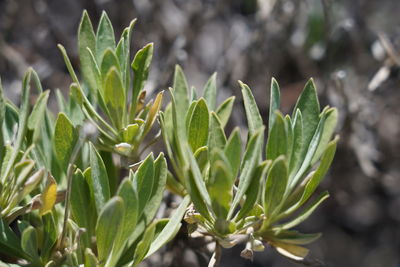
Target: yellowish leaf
[(294, 252), (151, 117), (49, 196)]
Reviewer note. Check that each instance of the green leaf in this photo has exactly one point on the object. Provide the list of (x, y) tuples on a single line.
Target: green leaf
[(309, 106), (197, 188), (233, 151), (217, 138), (210, 92), (131, 206), (144, 181), (109, 60), (86, 39), (9, 242), (65, 138), (171, 229), (115, 97), (198, 125), (275, 187), (275, 102), (253, 191), (296, 238), (22, 119), (251, 159), (295, 160), (29, 242), (220, 184), (82, 207), (38, 111), (120, 52), (50, 234), (180, 92), (140, 66), (131, 203), (130, 132), (310, 152), (253, 116), (108, 225), (224, 110), (144, 245), (98, 182), (160, 179), (90, 258), (320, 172), (127, 34), (276, 143), (96, 69), (329, 128), (305, 213), (105, 37)]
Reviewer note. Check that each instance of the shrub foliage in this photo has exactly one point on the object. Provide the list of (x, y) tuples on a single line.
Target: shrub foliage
[(77, 188)]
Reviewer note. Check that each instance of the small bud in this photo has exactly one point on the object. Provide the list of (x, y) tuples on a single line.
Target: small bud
[(123, 148)]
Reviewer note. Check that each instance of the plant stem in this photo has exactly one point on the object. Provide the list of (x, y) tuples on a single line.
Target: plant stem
[(216, 257), (70, 171)]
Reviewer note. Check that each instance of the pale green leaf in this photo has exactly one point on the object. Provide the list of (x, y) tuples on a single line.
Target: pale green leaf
[(171, 229), (305, 213), (108, 225), (276, 143), (329, 128), (105, 38), (144, 181), (275, 102), (160, 177), (253, 116), (140, 66), (98, 182), (115, 97), (251, 159), (65, 138), (86, 39), (198, 126), (233, 151), (144, 244), (275, 187), (217, 138), (224, 110), (210, 92)]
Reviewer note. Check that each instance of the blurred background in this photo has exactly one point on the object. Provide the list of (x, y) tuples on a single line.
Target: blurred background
[(351, 48)]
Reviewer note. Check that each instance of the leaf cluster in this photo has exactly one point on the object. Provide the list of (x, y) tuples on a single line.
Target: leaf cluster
[(75, 189)]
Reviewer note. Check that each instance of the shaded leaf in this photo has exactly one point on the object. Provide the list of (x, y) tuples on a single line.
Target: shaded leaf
[(251, 159), (275, 187)]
